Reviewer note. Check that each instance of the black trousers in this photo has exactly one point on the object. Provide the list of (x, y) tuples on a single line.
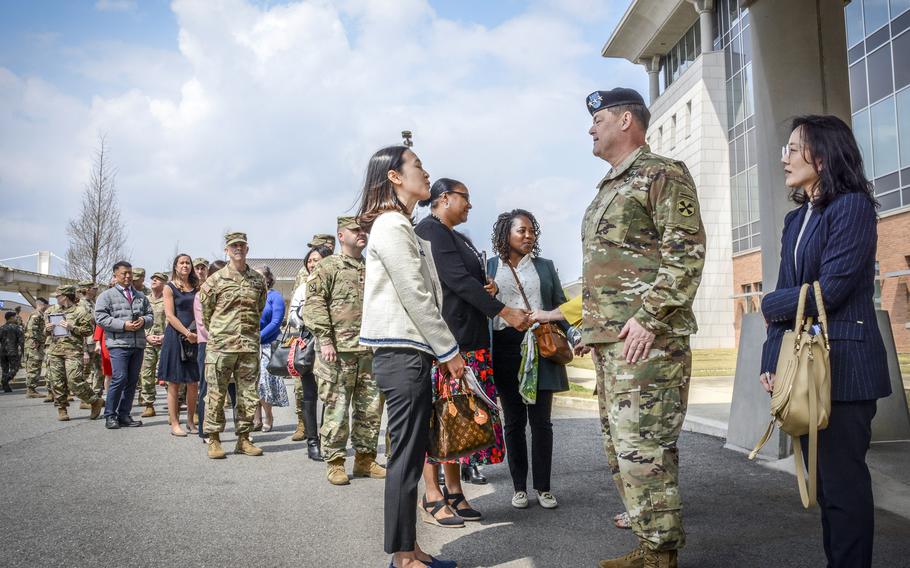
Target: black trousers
[(10, 366), (844, 484), (403, 376), (517, 415)]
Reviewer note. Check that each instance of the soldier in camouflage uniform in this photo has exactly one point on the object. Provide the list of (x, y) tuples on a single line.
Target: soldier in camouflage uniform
[(34, 348), (88, 291), (644, 249), (139, 282), (65, 363), (333, 312), (17, 319), (12, 345), (154, 336), (201, 268), (319, 240), (232, 300)]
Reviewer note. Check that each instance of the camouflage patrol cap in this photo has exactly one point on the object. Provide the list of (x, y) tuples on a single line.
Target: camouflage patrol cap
[(322, 239), (599, 100), (65, 290), (346, 222), (235, 237), (85, 285), (160, 276), (199, 260), (138, 273)]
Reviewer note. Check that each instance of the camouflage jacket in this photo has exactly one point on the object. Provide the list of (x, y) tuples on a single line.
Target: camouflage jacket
[(231, 305), (81, 326), (301, 277), (159, 321), (334, 302), (34, 331), (12, 340), (89, 307), (644, 249)]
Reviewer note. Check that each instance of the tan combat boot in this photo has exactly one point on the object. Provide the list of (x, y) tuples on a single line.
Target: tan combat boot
[(85, 406), (32, 393), (365, 466), (634, 559), (245, 446), (300, 433), (149, 411), (336, 474), (215, 451), (96, 407), (661, 559), (62, 415)]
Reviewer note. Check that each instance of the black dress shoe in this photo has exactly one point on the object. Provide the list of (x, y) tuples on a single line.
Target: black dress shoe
[(111, 423), (128, 422), (471, 474), (313, 450)]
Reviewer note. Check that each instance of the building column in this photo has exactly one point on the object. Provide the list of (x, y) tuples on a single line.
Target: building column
[(705, 10), (653, 67)]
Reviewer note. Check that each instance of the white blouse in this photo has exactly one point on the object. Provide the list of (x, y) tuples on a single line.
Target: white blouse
[(508, 292)]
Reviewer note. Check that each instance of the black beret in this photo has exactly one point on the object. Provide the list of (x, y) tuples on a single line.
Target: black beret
[(599, 100)]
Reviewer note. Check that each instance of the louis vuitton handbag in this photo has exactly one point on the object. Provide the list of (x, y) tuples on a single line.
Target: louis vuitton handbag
[(459, 424), (551, 340), (801, 393)]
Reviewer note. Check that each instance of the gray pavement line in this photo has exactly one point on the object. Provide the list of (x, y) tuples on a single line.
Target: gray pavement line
[(43, 434)]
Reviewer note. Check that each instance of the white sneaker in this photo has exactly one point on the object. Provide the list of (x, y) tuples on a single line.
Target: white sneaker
[(520, 500), (547, 500)]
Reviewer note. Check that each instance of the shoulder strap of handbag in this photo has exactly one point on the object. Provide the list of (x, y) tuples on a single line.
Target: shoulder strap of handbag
[(521, 288), (822, 313)]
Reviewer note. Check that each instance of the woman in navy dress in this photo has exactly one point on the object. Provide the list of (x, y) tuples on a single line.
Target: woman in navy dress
[(177, 363)]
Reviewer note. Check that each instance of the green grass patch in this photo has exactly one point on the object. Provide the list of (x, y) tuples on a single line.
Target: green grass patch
[(577, 391)]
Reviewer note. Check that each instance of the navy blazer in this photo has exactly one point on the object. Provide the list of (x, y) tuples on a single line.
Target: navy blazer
[(837, 249)]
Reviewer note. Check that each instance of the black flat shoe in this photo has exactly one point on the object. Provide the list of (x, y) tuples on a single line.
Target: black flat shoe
[(128, 422), (111, 423), (455, 499), (471, 474)]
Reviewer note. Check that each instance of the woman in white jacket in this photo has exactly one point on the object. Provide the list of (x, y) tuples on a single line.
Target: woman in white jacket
[(403, 324)]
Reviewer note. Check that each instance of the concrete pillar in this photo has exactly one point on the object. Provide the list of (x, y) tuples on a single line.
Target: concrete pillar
[(44, 262), (653, 68), (705, 10), (799, 66)]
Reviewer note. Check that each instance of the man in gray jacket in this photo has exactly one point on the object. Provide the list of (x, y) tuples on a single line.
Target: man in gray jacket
[(124, 313)]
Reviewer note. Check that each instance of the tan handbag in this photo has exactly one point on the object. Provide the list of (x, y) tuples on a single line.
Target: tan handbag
[(801, 394), (459, 424), (551, 340)]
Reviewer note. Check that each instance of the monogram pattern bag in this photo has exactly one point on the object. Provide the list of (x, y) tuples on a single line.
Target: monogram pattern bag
[(459, 425), (551, 340)]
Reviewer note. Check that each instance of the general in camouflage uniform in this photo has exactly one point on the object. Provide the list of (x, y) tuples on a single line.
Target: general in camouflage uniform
[(232, 301), (34, 348), (332, 312), (12, 344), (154, 336), (644, 249), (93, 371), (65, 364)]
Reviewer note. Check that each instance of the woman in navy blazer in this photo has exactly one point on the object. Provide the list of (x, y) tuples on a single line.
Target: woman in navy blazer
[(832, 238)]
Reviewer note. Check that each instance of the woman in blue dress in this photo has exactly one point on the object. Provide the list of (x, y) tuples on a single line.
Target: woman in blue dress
[(177, 363)]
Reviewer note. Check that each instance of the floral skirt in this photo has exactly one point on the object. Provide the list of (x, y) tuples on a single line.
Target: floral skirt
[(272, 389), (482, 365)]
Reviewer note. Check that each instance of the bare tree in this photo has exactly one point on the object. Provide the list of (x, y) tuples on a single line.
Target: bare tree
[(97, 236)]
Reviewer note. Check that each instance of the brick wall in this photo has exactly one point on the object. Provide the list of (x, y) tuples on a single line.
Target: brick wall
[(893, 255), (746, 270)]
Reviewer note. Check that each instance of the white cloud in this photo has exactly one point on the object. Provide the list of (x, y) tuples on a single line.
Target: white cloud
[(264, 118)]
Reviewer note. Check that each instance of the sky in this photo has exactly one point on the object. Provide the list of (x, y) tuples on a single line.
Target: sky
[(260, 116)]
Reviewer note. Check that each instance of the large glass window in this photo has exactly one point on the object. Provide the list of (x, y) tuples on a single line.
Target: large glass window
[(901, 48), (853, 13), (884, 137), (898, 7), (875, 14), (859, 96), (864, 139), (681, 55), (903, 125), (881, 77)]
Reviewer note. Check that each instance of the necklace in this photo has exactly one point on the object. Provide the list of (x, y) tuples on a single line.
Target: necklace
[(463, 238)]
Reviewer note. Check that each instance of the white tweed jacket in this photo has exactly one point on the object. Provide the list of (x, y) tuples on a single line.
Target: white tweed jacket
[(402, 296)]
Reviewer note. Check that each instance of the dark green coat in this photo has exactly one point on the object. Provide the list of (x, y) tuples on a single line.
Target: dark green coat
[(550, 376)]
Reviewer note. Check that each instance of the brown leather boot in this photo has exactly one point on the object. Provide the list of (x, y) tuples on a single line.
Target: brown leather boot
[(661, 559), (215, 451), (62, 415), (336, 474), (149, 411), (96, 407), (300, 433), (245, 446), (365, 466), (634, 559)]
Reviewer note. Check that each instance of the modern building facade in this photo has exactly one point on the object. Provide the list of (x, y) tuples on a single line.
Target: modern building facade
[(698, 54)]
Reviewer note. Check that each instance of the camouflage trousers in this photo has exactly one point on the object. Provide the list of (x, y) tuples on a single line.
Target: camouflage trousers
[(642, 408), (148, 376), (10, 365), (220, 369), (66, 374), (345, 386), (34, 358), (93, 373)]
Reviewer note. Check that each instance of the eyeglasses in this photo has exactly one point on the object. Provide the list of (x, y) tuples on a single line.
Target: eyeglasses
[(786, 151), (467, 197)]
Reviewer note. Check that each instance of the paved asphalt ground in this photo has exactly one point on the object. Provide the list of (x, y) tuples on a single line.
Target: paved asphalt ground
[(75, 494)]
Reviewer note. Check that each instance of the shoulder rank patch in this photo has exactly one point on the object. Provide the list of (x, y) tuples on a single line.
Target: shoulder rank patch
[(686, 207)]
